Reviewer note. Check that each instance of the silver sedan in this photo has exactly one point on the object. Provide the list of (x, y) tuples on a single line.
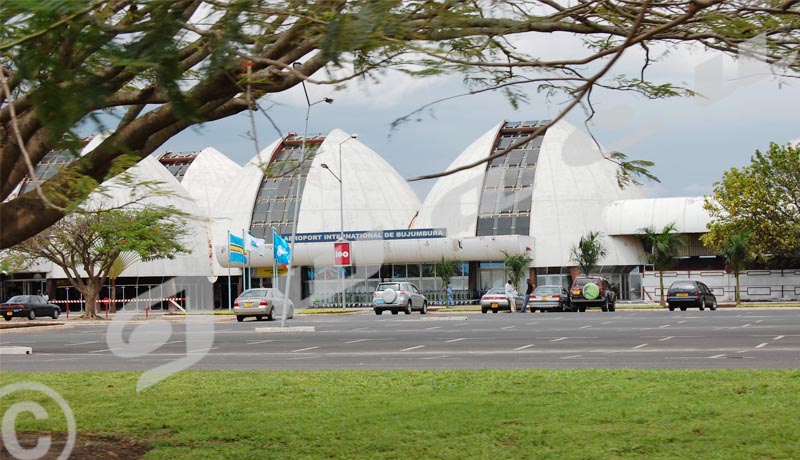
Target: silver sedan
[(495, 300), (262, 303)]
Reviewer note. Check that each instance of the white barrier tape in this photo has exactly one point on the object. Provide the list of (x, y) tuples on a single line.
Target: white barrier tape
[(166, 299)]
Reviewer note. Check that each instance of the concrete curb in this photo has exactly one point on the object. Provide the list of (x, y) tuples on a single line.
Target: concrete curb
[(16, 350)]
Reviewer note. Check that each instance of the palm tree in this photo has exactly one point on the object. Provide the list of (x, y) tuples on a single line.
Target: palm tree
[(445, 270), (736, 250), (588, 252), (517, 264), (661, 249), (120, 264)]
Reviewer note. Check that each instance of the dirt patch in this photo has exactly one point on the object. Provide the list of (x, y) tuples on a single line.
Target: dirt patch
[(87, 446)]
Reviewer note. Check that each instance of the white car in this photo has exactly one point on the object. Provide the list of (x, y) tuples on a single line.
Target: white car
[(398, 296), (262, 303)]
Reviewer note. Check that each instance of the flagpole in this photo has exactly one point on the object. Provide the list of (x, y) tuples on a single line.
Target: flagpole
[(246, 263), (274, 263), (230, 302)]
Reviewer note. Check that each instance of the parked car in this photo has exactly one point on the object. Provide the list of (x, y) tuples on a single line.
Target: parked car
[(398, 296), (549, 297), (495, 300), (28, 306), (262, 303), (592, 291), (689, 293)]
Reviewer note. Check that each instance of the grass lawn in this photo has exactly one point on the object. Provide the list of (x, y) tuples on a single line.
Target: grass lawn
[(541, 414)]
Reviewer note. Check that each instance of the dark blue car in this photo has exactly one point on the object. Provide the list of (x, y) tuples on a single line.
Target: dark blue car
[(28, 306)]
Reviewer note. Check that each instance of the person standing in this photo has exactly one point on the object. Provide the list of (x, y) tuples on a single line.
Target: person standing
[(527, 298), (449, 294), (510, 296)]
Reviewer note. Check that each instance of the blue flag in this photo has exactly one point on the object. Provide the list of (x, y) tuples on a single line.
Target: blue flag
[(280, 249), (236, 249)]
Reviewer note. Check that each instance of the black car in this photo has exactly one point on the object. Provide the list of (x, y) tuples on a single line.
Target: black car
[(690, 293), (28, 306)]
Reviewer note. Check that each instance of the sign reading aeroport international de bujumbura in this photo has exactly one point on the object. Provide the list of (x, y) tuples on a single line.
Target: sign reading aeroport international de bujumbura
[(328, 237)]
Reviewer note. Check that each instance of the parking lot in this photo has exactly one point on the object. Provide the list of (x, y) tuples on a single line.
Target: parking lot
[(740, 338)]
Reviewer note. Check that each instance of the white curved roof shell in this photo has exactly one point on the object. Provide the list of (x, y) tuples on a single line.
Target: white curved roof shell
[(453, 200), (170, 192), (628, 217), (572, 185), (207, 176), (375, 196)]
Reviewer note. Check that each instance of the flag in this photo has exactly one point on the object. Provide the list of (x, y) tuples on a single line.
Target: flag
[(236, 249), (255, 245), (280, 249)]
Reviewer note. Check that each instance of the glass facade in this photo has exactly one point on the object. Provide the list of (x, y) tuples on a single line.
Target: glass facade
[(275, 200), (177, 163), (48, 167), (505, 202)]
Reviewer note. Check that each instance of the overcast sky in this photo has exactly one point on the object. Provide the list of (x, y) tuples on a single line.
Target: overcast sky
[(691, 140)]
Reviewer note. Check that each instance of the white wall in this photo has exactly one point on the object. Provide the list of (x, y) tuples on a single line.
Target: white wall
[(755, 285)]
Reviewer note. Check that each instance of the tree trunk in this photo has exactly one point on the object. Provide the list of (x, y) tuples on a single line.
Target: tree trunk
[(91, 293), (113, 304), (738, 294), (661, 284)]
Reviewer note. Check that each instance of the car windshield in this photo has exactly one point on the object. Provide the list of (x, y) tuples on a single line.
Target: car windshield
[(546, 290), (255, 293), (684, 285), (385, 286), (580, 282), (19, 298), (496, 291)]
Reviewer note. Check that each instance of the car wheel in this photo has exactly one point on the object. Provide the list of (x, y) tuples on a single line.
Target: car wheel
[(239, 318), (378, 312), (582, 309), (671, 308), (494, 310), (683, 308), (424, 310), (394, 312), (713, 305), (259, 317), (55, 314), (407, 311), (31, 314), (702, 305), (8, 318), (483, 310), (270, 316)]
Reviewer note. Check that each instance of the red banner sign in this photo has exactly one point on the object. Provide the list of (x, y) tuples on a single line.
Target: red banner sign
[(341, 254)]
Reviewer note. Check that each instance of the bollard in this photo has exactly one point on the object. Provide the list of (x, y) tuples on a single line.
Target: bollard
[(147, 312)]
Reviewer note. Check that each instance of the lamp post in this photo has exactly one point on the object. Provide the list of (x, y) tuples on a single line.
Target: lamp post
[(341, 211), (309, 104)]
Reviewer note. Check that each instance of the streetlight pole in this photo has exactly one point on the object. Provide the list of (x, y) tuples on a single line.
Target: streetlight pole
[(297, 193), (341, 212)]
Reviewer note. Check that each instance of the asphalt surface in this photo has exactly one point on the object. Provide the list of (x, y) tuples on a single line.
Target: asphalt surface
[(729, 338)]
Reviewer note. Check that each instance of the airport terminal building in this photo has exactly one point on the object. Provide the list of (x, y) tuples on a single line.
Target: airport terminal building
[(539, 199)]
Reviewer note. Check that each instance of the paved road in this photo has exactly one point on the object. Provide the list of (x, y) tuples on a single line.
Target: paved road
[(741, 338)]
